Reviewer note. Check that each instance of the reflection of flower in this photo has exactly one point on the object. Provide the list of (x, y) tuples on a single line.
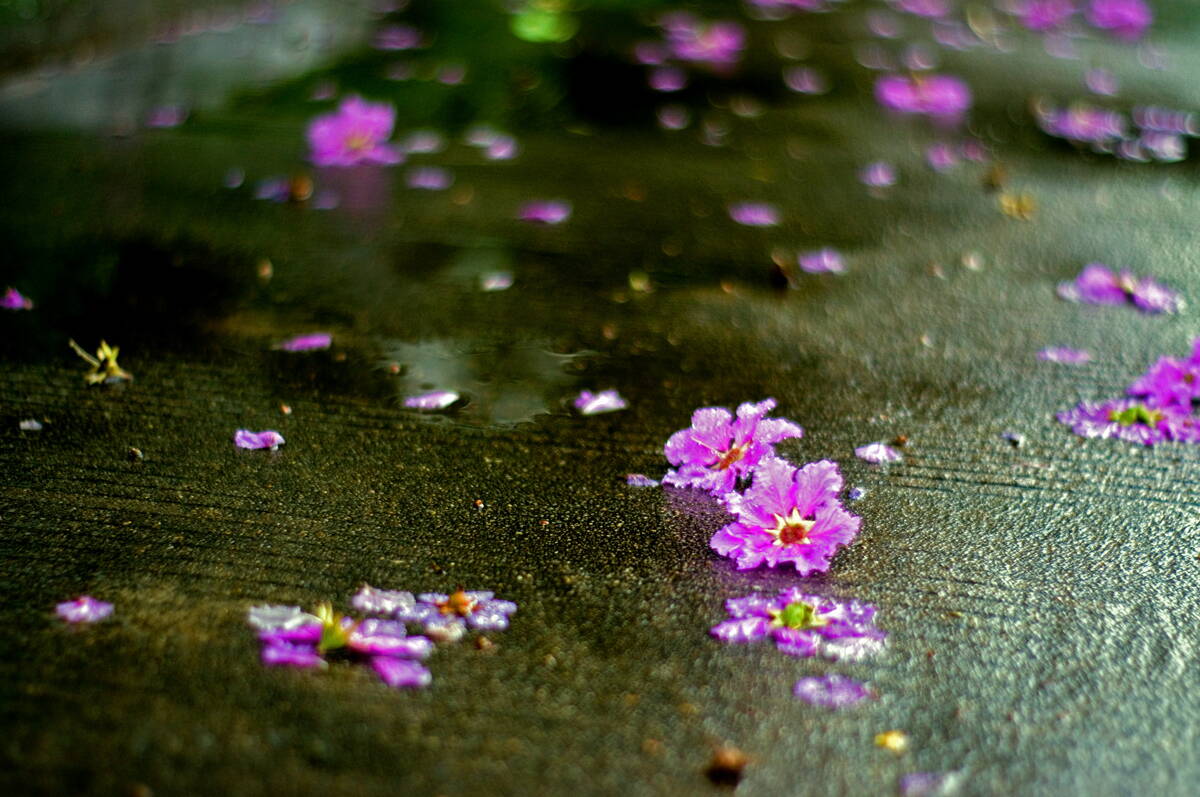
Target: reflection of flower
[(1098, 284), (803, 625), (84, 609), (831, 691), (787, 514), (356, 133), (717, 450), (447, 617)]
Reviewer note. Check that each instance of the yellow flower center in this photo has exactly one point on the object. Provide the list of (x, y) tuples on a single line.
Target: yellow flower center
[(793, 529)]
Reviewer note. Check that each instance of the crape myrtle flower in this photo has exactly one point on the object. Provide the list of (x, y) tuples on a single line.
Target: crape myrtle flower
[(717, 449), (13, 300), (754, 214), (1043, 15), (803, 625), (1099, 284), (1083, 124), (831, 691), (929, 784), (546, 211), (1064, 355), (244, 438), (822, 261), (1123, 19), (356, 133), (447, 617), (805, 80), (84, 609), (932, 9), (714, 44), (429, 178), (105, 370), (589, 403), (787, 515), (879, 174), (293, 638), (1130, 419), (878, 453), (310, 342), (942, 97), (1170, 382)]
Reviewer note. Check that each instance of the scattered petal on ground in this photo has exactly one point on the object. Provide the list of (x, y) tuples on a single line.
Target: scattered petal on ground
[(640, 480), (831, 691), (244, 438), (1064, 355), (589, 403), (310, 342), (434, 400), (878, 453), (84, 609)]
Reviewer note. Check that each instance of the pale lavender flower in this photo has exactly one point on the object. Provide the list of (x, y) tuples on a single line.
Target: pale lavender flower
[(30, 425), (943, 97), (429, 178), (502, 149), (312, 341), (494, 281), (1064, 355), (398, 673), (941, 157), (84, 609), (929, 784), (1043, 15), (1123, 19), (805, 80), (356, 133), (822, 261), (717, 450), (1099, 284), (667, 79), (932, 9), (13, 300), (878, 453), (1084, 124), (1165, 120), (640, 480), (787, 515), (1101, 81), (803, 625), (717, 45), (448, 617), (589, 403), (1130, 419), (244, 438), (397, 37), (434, 400), (673, 117), (879, 174), (547, 211), (371, 600), (423, 142), (831, 691), (452, 75), (166, 116), (754, 214)]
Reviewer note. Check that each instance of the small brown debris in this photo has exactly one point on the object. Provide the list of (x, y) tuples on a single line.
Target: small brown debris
[(726, 766), (135, 454), (286, 409), (652, 747), (901, 440), (484, 644), (1018, 206)]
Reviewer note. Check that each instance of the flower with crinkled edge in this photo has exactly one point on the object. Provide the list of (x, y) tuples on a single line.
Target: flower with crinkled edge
[(803, 625), (447, 618), (1130, 419), (787, 515), (1099, 284), (717, 450), (357, 132), (1170, 382)]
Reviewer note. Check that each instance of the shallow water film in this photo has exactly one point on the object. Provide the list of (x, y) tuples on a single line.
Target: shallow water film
[(522, 397)]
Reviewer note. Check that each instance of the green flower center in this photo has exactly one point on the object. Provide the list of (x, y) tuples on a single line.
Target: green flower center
[(334, 634), (798, 615), (1138, 413)]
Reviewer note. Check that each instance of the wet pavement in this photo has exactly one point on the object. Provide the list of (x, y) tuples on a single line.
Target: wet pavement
[(1040, 600)]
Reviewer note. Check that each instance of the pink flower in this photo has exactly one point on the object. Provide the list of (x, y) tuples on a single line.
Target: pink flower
[(787, 515), (1123, 19), (822, 261), (356, 133), (943, 97), (13, 300), (754, 214), (310, 342), (1041, 15), (549, 211), (84, 609), (244, 438), (717, 450)]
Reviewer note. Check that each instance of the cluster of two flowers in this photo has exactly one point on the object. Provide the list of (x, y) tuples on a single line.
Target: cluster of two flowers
[(292, 637)]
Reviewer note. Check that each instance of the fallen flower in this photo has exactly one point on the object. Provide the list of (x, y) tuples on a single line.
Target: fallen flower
[(879, 174), (787, 515), (370, 600), (1131, 420), (589, 403), (831, 691), (1170, 382), (717, 450), (84, 609), (13, 300), (1099, 284), (929, 784), (1044, 15), (1064, 355), (822, 261), (640, 480), (429, 178), (803, 625), (549, 211), (754, 214), (878, 453), (310, 342), (30, 425), (447, 617), (943, 97), (104, 365), (1123, 19), (434, 400), (356, 133), (244, 438)]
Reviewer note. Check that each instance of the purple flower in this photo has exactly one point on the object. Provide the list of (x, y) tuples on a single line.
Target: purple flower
[(1083, 124), (1101, 81), (589, 403), (294, 638), (803, 625), (1130, 419), (1041, 15), (787, 515), (943, 97), (429, 178), (434, 400), (941, 157), (928, 784), (1064, 355), (84, 609), (878, 453), (1170, 382), (754, 214), (822, 261), (714, 44), (356, 133), (310, 342), (1124, 19), (932, 9), (640, 480), (667, 78), (370, 600), (1098, 284), (447, 617), (547, 211), (879, 174), (13, 300), (831, 691), (717, 450), (244, 438), (397, 37)]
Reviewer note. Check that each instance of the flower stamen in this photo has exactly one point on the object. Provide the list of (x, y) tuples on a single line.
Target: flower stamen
[(793, 529)]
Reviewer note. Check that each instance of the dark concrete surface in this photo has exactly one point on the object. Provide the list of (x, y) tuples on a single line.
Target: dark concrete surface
[(1041, 601)]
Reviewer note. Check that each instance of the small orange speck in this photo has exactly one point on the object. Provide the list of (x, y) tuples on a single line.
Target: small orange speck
[(286, 409), (545, 522), (394, 368), (896, 741)]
